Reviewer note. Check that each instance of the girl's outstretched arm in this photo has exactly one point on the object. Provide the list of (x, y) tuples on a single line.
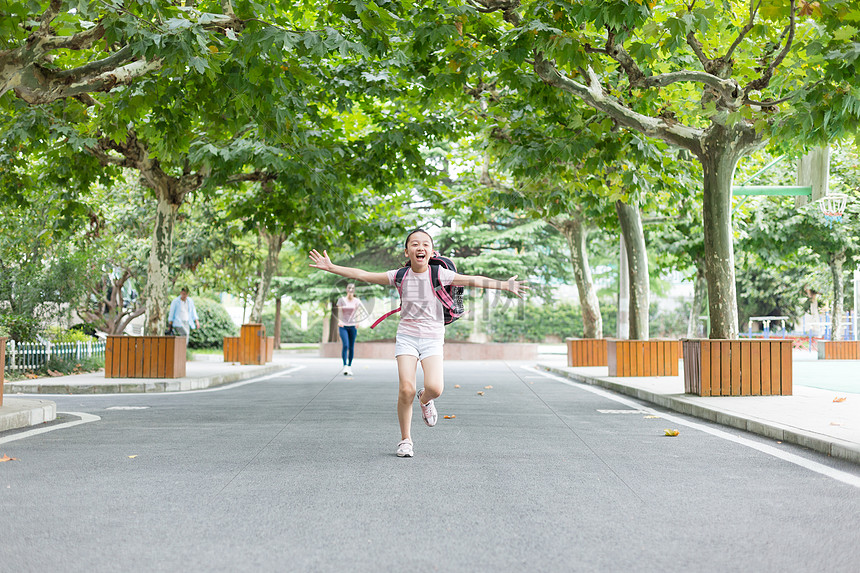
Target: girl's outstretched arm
[(321, 261), (511, 285)]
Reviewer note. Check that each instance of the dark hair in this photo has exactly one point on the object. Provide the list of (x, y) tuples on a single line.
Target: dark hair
[(418, 230), (184, 289)]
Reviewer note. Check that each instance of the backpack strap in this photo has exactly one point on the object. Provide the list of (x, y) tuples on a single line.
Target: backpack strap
[(398, 282), (439, 289)]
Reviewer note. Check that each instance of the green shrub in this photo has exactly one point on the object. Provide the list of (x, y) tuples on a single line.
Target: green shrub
[(290, 333), (532, 323), (56, 335), (385, 330), (21, 328), (72, 366), (215, 324)]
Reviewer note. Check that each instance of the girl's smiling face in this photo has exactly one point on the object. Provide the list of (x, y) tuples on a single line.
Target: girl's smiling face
[(419, 248)]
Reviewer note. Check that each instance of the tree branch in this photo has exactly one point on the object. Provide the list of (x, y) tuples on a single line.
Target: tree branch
[(49, 15), (79, 41), (754, 6), (762, 82), (593, 95)]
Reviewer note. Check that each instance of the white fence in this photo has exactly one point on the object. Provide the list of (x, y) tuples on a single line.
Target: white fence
[(34, 355)]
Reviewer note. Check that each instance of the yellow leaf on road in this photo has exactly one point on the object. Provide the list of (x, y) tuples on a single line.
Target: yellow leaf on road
[(134, 456), (652, 417), (671, 432), (456, 385), (451, 417), (6, 458), (480, 393), (838, 399), (488, 387)]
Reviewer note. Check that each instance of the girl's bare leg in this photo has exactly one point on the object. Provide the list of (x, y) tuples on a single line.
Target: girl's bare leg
[(407, 368), (434, 381)]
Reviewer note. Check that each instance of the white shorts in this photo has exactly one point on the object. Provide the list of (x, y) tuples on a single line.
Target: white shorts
[(418, 347)]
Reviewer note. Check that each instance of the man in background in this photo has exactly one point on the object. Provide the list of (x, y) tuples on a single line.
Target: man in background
[(183, 316)]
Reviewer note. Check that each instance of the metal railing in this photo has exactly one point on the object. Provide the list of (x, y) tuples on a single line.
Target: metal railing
[(34, 355)]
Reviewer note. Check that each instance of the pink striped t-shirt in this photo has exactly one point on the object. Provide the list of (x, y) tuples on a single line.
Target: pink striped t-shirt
[(421, 314), (347, 310)]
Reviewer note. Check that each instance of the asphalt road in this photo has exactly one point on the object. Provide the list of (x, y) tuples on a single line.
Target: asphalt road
[(298, 473)]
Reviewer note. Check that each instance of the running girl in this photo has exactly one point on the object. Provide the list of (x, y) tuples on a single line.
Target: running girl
[(421, 332)]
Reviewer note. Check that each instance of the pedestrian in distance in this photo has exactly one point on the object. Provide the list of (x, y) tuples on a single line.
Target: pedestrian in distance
[(421, 333), (347, 307), (182, 316)]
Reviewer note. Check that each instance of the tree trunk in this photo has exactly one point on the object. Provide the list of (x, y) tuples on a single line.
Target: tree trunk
[(277, 333), (333, 332), (718, 166), (576, 236), (699, 288), (273, 243), (836, 262), (622, 321), (630, 220), (158, 273)]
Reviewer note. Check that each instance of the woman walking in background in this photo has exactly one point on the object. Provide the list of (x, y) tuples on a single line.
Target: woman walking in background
[(346, 319)]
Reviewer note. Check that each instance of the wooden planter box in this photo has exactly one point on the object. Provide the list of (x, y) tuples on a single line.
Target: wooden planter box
[(2, 366), (145, 357), (252, 344), (839, 350), (270, 348), (643, 357), (231, 349), (737, 367), (586, 351)]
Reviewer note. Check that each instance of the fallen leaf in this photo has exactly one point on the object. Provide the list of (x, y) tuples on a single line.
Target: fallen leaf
[(54, 373), (456, 385), (6, 458), (779, 442), (652, 417), (838, 399), (835, 424), (132, 457), (488, 387), (449, 417), (31, 376), (480, 393), (671, 432)]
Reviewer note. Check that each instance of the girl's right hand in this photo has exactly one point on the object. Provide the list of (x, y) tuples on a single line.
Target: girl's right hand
[(321, 261)]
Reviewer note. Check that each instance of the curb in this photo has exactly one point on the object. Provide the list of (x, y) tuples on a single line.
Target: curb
[(679, 403), (19, 413), (110, 387)]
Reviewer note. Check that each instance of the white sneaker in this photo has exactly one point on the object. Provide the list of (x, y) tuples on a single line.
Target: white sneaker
[(349, 371), (346, 370), (404, 449), (428, 410)]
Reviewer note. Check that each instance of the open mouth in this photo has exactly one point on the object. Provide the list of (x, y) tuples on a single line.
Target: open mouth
[(420, 256)]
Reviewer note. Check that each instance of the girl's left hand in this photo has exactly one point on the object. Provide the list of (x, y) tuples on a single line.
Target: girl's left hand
[(516, 287)]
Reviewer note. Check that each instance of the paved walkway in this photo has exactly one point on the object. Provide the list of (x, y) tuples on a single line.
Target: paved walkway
[(816, 416), (296, 471), (19, 412)]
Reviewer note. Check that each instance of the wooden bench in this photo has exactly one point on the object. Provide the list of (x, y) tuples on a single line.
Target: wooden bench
[(231, 349), (737, 367), (2, 366), (839, 350), (145, 357), (586, 351), (643, 357)]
